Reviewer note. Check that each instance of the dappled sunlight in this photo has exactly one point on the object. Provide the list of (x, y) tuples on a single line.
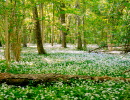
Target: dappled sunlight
[(76, 61), (67, 51), (57, 48), (1, 50), (23, 63), (2, 53), (49, 60), (70, 61)]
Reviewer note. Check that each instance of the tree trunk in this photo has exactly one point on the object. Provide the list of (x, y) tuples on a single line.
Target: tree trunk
[(42, 22), (84, 35), (52, 28), (15, 34), (83, 22), (77, 5), (0, 44), (34, 79), (127, 34), (109, 44), (7, 37), (63, 31), (24, 27), (38, 32), (24, 40)]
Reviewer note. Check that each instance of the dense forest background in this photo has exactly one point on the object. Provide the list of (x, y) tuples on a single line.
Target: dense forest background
[(80, 22)]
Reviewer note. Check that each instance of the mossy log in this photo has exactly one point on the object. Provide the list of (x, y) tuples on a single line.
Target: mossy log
[(27, 79)]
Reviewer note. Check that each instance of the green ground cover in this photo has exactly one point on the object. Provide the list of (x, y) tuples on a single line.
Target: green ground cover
[(68, 61)]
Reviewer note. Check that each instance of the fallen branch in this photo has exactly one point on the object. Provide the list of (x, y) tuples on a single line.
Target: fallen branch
[(126, 71), (97, 48), (26, 79)]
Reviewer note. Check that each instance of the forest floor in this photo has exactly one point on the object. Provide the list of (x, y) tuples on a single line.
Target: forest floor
[(68, 61)]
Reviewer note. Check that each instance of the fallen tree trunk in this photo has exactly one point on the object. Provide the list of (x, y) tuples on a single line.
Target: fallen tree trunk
[(27, 79)]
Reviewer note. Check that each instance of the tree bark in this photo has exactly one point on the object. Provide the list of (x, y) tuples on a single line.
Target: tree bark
[(24, 40), (34, 79), (42, 22), (62, 18), (38, 32), (77, 5), (24, 27), (0, 44), (7, 37), (52, 27), (15, 34), (83, 27)]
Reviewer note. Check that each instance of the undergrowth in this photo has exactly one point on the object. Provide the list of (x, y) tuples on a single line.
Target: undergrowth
[(71, 62)]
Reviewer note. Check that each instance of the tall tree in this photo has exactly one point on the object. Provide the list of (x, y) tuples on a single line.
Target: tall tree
[(0, 44), (83, 26), (7, 36), (15, 26), (42, 14), (52, 29), (77, 5), (38, 31), (24, 26), (63, 23)]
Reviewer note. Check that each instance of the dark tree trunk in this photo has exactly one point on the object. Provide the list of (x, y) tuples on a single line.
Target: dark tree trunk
[(24, 45), (79, 24), (24, 28), (0, 44), (24, 40), (38, 32), (79, 35), (84, 36), (63, 31)]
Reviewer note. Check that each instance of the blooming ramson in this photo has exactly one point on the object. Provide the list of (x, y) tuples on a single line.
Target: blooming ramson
[(68, 61)]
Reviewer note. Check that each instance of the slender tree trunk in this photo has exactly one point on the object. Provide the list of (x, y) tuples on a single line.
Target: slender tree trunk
[(23, 28), (15, 24), (38, 32), (24, 39), (7, 37), (77, 5), (84, 34), (42, 22), (79, 35), (109, 44), (60, 38), (0, 44), (52, 29), (62, 18), (127, 34), (84, 38), (17, 50), (109, 35), (1, 38), (83, 29)]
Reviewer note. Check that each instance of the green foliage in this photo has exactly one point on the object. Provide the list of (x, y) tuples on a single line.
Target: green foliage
[(110, 16)]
